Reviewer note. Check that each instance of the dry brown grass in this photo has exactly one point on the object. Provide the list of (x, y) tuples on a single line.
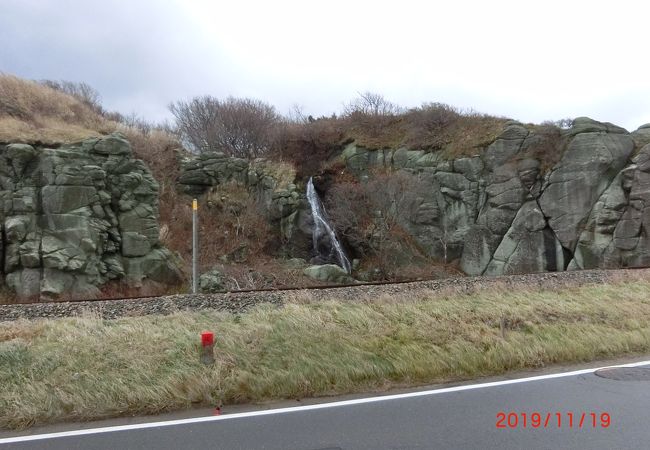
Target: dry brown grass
[(264, 272), (284, 172), (33, 112), (429, 127), (150, 364), (457, 133)]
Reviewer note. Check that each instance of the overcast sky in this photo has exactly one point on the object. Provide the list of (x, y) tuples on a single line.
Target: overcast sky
[(531, 61)]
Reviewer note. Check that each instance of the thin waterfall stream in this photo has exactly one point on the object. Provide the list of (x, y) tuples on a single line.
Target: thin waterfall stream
[(321, 226)]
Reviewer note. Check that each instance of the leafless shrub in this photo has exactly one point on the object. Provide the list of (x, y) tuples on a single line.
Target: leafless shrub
[(562, 124), (371, 116), (371, 104), (239, 127), (136, 122), (80, 90), (297, 115), (547, 145), (372, 216), (233, 225), (430, 122), (308, 144)]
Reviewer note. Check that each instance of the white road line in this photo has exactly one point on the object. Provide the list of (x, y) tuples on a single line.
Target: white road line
[(358, 401)]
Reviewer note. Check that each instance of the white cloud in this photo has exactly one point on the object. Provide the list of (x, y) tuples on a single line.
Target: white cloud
[(530, 61)]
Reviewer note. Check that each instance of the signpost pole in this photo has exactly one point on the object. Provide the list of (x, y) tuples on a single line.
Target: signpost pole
[(195, 245)]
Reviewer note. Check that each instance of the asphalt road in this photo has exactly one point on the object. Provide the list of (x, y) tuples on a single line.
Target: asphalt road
[(463, 417)]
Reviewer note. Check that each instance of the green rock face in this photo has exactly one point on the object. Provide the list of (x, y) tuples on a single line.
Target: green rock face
[(77, 216), (524, 202), (499, 214), (591, 162), (64, 199), (135, 244)]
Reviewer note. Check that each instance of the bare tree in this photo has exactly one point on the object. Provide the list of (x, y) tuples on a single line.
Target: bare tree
[(239, 127), (444, 240), (196, 122), (297, 115), (371, 104), (246, 127)]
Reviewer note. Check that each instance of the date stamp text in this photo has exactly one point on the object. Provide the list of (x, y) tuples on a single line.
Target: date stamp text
[(557, 420)]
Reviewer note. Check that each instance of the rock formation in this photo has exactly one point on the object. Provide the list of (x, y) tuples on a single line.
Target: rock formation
[(285, 206), (517, 205), (501, 214), (76, 216)]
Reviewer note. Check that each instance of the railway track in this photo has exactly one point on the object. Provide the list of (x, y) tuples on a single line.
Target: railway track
[(328, 286), (245, 291), (240, 300)]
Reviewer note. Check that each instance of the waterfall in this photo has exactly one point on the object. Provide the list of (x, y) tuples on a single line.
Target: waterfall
[(321, 224)]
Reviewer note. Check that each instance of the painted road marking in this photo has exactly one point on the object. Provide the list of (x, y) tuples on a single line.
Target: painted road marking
[(359, 401)]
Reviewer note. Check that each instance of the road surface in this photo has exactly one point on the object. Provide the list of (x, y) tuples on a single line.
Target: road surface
[(571, 410)]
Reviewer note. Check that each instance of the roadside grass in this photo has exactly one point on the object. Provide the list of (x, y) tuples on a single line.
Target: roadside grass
[(88, 368)]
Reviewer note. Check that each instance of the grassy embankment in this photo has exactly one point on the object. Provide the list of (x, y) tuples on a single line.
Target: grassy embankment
[(88, 368)]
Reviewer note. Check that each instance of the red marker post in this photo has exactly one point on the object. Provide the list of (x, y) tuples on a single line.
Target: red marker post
[(207, 346)]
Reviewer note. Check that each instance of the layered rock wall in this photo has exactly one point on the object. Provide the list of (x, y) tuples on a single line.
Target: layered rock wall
[(77, 216)]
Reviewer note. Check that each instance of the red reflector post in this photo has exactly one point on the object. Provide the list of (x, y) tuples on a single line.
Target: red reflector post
[(207, 345), (207, 338)]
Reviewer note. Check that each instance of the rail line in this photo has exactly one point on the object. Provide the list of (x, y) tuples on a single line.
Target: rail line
[(244, 291), (318, 287)]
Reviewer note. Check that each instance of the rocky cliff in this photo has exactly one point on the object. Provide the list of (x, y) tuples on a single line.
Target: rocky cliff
[(528, 201), (503, 211), (76, 216)]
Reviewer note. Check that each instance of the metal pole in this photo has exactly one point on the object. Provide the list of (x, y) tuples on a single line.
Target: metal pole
[(195, 245)]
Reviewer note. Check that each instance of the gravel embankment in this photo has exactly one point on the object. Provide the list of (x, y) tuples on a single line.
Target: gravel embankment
[(240, 302)]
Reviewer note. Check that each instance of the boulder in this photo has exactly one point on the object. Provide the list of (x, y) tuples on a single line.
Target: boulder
[(158, 265), (212, 282), (115, 144), (588, 125), (330, 273), (25, 282), (20, 155), (504, 195), (597, 245), (64, 199), (642, 135)]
